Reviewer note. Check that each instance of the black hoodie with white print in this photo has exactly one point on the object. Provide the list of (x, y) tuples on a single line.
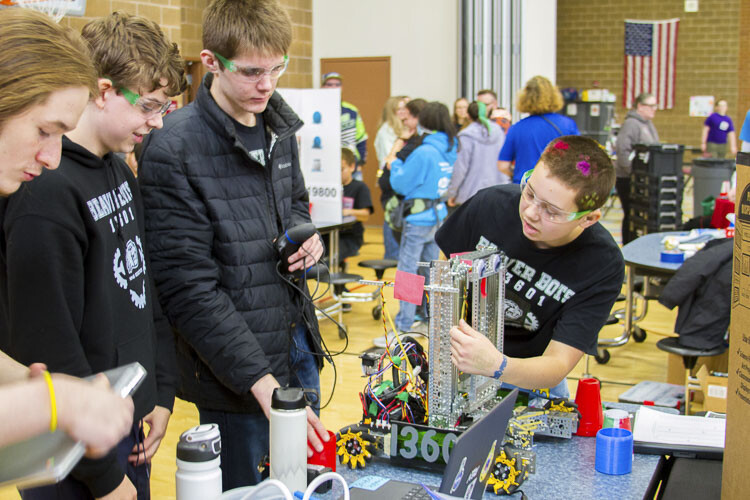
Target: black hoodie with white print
[(76, 287)]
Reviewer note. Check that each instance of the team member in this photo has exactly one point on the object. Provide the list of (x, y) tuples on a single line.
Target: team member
[(353, 133), (564, 270), (32, 121), (357, 202), (718, 133), (638, 127), (220, 182), (525, 140), (79, 281)]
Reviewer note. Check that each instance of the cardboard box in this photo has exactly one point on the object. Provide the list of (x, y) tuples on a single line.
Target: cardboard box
[(676, 369), (735, 478), (714, 391)]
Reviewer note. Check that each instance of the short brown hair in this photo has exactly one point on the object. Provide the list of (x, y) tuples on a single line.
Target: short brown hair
[(232, 27), (487, 91), (583, 165), (415, 106), (38, 57), (539, 96), (134, 52), (348, 156), (641, 99)]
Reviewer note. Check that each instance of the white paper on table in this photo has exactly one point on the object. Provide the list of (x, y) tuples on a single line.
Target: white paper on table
[(653, 426)]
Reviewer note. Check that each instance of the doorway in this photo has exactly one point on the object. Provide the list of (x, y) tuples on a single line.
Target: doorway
[(367, 85)]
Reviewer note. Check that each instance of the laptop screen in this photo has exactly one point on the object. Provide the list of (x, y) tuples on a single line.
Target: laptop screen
[(473, 456)]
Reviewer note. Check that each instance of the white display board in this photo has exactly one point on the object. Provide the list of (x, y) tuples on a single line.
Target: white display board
[(319, 142), (701, 105)]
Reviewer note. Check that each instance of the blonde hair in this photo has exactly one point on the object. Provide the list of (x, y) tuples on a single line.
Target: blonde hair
[(539, 96), (38, 57), (390, 115), (232, 27), (134, 52)]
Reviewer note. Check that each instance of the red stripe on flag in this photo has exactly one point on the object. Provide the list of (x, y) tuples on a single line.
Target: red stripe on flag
[(667, 70)]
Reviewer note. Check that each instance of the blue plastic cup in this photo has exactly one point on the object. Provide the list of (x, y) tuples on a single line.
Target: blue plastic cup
[(614, 451)]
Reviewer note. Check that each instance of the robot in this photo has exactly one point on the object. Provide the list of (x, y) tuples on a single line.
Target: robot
[(413, 417)]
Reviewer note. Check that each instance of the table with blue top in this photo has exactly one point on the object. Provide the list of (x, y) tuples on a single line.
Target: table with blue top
[(642, 257), (564, 469)]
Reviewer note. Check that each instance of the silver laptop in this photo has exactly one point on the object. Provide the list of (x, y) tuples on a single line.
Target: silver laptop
[(49, 458)]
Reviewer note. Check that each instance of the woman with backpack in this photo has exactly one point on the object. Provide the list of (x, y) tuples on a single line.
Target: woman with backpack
[(527, 138), (423, 179)]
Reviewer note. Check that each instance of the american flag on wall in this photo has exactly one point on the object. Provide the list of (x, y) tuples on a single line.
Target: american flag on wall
[(650, 55)]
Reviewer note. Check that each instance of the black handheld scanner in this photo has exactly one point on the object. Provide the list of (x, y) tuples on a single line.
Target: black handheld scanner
[(288, 242)]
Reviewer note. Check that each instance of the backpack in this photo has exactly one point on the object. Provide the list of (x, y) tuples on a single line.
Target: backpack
[(397, 209)]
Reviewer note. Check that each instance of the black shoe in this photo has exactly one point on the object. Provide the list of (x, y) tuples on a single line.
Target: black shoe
[(346, 307)]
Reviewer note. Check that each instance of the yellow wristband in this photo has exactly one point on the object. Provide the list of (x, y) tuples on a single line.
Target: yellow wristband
[(52, 402)]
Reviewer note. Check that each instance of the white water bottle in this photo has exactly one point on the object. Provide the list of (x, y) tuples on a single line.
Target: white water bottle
[(288, 438), (198, 474)]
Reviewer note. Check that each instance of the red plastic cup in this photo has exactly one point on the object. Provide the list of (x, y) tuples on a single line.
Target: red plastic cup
[(327, 457), (589, 401)]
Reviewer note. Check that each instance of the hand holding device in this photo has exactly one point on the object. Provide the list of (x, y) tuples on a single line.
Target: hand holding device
[(289, 242)]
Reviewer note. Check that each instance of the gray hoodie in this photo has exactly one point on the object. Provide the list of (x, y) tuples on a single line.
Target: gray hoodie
[(476, 162), (635, 130)]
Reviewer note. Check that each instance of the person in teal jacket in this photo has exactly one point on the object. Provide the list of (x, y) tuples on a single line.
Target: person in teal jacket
[(423, 179)]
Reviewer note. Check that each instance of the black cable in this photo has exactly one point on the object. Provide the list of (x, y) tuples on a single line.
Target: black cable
[(523, 495), (327, 354), (341, 328)]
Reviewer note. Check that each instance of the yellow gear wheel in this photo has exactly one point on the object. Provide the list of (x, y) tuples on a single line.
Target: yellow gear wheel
[(504, 474), (353, 449)]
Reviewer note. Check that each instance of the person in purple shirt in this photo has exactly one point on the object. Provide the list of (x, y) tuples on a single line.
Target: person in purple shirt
[(527, 139), (718, 132)]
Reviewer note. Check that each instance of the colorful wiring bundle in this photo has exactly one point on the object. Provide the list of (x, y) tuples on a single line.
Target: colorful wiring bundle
[(404, 397)]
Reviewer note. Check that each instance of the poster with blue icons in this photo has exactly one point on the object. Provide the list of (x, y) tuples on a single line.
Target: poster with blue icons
[(319, 142)]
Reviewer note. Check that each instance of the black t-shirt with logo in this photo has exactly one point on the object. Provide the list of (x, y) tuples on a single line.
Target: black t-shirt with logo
[(253, 138), (564, 293)]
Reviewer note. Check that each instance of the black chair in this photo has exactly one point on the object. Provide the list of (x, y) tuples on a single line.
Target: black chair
[(602, 355), (690, 357), (379, 266)]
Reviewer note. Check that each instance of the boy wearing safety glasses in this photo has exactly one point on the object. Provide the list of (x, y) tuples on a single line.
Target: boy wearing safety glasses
[(81, 290), (220, 182), (564, 270)]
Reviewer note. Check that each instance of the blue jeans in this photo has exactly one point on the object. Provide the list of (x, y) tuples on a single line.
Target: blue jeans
[(244, 442), (390, 243), (417, 244), (72, 489)]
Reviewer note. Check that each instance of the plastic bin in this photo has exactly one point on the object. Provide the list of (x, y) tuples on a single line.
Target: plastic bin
[(708, 174), (657, 192), (592, 118), (640, 227), (658, 159)]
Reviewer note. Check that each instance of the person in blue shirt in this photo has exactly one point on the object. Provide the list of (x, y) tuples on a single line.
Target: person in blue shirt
[(527, 139), (423, 179), (745, 134)]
